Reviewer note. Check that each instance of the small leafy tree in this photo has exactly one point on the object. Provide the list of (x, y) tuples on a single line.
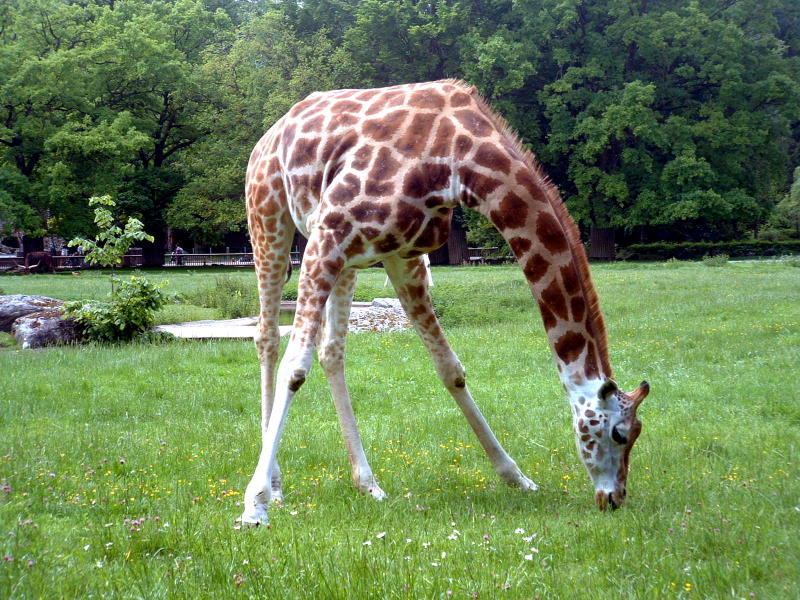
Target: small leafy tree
[(113, 241), (133, 303)]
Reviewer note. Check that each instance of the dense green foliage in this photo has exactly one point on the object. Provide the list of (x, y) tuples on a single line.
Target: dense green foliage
[(696, 250), (129, 312), (123, 466), (666, 118)]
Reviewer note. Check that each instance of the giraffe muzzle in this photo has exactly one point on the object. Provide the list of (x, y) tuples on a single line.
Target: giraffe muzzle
[(612, 500)]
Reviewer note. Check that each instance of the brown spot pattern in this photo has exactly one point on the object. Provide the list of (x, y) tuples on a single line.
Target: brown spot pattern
[(480, 185), (409, 217), (549, 231), (463, 146), (569, 346), (425, 178), (371, 211), (490, 156), (554, 299), (570, 280), (443, 139), (313, 125), (362, 157), (415, 137), (434, 234), (590, 365), (515, 211), (535, 268), (578, 307), (548, 318), (388, 243), (473, 122), (519, 246), (381, 103), (344, 191), (460, 99), (384, 128), (427, 99), (385, 166), (345, 106)]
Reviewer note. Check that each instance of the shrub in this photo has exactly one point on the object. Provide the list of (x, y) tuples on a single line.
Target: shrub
[(129, 312), (720, 260), (233, 297), (792, 261), (697, 250)]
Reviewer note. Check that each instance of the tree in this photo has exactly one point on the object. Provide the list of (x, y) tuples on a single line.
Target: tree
[(787, 212), (112, 242), (668, 115)]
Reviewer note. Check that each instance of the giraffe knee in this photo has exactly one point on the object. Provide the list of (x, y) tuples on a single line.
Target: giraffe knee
[(331, 357), (456, 377), (267, 345), (297, 379)]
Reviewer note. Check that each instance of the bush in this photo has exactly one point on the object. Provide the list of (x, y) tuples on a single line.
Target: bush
[(129, 312), (697, 250), (720, 260), (231, 296)]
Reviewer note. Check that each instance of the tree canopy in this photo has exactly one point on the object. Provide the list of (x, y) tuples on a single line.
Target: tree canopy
[(656, 117)]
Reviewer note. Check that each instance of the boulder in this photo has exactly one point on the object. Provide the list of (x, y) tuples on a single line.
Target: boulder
[(18, 305), (393, 303), (46, 328)]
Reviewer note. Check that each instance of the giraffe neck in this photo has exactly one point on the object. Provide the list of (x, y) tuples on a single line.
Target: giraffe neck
[(530, 215)]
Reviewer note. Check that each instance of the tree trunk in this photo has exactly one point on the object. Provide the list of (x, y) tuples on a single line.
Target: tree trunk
[(153, 254), (602, 243), (32, 244)]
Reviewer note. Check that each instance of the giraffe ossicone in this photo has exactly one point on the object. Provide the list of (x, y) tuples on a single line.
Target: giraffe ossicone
[(373, 176)]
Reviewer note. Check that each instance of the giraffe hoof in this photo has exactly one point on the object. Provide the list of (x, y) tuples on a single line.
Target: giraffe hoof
[(376, 492), (240, 524), (254, 517), (522, 482), (372, 488), (526, 484)]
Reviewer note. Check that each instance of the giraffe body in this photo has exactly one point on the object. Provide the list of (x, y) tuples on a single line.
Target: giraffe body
[(373, 176)]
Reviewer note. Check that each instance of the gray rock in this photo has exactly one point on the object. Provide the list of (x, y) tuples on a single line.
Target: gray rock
[(18, 305), (386, 303), (46, 328)]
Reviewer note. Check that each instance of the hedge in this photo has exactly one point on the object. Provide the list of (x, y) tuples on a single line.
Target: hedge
[(697, 250)]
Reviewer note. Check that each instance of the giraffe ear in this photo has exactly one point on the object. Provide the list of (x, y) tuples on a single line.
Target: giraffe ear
[(608, 388)]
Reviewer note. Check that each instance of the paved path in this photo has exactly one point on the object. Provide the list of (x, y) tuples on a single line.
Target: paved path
[(228, 328), (382, 314)]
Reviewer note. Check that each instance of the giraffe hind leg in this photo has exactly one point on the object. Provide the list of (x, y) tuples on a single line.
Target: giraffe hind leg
[(330, 351), (409, 278)]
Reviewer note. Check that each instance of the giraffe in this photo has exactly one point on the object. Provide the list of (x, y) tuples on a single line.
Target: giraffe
[(373, 176)]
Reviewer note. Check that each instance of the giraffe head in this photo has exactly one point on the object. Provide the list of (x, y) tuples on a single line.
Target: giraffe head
[(606, 429)]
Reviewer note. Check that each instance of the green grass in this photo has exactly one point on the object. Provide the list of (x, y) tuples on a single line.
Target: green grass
[(122, 467)]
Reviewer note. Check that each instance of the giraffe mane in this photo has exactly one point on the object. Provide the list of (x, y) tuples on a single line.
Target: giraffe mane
[(594, 319)]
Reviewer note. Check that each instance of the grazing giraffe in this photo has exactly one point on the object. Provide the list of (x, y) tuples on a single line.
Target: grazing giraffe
[(372, 176)]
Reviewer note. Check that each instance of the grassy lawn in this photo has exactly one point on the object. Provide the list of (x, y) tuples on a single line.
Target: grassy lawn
[(122, 467)]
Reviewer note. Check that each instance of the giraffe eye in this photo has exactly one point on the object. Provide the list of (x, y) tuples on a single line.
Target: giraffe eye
[(618, 436)]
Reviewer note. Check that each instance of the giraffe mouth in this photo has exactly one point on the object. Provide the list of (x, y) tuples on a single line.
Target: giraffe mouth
[(605, 500)]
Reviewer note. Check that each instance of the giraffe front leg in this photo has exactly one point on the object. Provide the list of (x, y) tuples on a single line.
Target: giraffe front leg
[(291, 374), (318, 275), (410, 281), (330, 350)]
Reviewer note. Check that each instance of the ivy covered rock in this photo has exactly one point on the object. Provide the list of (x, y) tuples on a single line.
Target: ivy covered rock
[(18, 305)]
